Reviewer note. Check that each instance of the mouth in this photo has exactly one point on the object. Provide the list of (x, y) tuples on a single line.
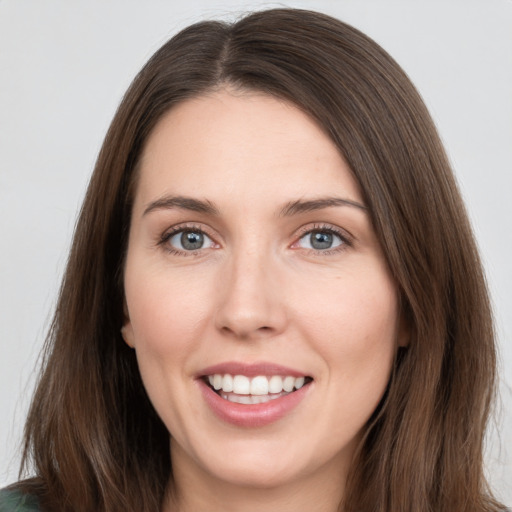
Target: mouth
[(252, 390), (253, 395)]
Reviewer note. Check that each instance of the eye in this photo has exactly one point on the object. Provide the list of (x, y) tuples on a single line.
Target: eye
[(189, 240), (320, 240)]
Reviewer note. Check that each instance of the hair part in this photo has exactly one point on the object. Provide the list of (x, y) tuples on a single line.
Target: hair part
[(92, 435)]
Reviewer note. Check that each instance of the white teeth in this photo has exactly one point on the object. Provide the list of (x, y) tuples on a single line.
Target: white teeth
[(299, 382), (244, 399), (260, 386), (217, 381), (241, 385), (275, 384), (288, 383), (227, 382), (250, 399)]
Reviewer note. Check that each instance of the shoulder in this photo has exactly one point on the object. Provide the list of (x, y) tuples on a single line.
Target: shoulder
[(15, 501)]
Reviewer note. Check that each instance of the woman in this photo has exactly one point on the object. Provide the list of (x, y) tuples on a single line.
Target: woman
[(273, 274)]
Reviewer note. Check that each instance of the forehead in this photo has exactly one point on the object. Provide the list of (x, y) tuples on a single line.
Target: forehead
[(247, 146)]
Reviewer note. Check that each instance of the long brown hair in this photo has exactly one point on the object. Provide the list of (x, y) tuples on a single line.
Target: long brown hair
[(92, 436)]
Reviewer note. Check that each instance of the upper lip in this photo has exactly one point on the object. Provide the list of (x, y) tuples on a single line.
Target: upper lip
[(250, 369)]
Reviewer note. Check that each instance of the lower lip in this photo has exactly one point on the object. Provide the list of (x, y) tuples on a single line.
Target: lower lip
[(252, 415)]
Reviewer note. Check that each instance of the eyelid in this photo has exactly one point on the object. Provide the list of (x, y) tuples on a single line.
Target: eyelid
[(186, 226), (347, 238)]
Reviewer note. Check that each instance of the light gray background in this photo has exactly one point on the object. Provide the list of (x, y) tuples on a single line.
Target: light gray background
[(64, 66)]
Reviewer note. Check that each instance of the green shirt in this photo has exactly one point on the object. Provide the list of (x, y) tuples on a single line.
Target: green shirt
[(14, 501)]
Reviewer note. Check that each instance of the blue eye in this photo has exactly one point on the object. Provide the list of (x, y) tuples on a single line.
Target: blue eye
[(190, 240), (320, 240)]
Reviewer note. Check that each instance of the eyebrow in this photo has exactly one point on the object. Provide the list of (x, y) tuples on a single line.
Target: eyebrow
[(183, 203), (207, 207), (301, 206)]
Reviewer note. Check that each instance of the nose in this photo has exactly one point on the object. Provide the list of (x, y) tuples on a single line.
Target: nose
[(250, 299)]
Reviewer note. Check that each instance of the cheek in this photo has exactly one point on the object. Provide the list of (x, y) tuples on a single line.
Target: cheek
[(353, 324), (166, 310), (167, 318)]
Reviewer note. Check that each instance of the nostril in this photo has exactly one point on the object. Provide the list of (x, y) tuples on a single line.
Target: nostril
[(246, 332)]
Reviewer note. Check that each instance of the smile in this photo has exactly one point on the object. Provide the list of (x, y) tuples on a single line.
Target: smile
[(252, 395), (260, 389)]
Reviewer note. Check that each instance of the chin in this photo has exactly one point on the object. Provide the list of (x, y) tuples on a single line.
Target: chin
[(266, 464), (257, 474)]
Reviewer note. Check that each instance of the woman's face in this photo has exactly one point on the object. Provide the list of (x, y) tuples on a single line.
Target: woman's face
[(253, 268)]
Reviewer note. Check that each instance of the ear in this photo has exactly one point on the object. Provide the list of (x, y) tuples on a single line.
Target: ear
[(127, 329), (127, 334)]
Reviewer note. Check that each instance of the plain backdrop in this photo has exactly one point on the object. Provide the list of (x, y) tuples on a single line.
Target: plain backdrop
[(64, 66)]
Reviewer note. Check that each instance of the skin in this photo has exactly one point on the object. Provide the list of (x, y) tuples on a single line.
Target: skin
[(256, 291)]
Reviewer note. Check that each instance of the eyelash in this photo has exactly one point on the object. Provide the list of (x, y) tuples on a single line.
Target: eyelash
[(194, 228), (346, 240)]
